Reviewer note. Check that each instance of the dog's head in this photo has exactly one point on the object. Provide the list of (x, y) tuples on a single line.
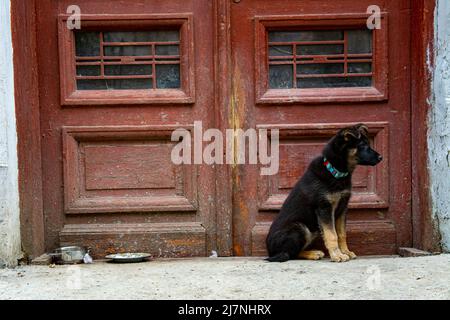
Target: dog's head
[(355, 140)]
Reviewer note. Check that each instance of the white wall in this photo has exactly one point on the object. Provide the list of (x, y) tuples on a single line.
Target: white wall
[(439, 124), (10, 250)]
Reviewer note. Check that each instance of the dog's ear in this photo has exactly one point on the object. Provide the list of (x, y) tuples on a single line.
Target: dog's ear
[(350, 133), (362, 129)]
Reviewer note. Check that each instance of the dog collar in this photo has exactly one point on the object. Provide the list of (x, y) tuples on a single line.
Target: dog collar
[(335, 172)]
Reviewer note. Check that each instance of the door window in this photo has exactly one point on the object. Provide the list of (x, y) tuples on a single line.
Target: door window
[(127, 60), (312, 59), (320, 59)]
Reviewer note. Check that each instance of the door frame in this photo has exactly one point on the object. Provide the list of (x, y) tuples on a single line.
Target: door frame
[(425, 233), (24, 28)]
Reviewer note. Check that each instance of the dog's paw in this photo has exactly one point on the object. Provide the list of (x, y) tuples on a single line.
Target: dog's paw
[(338, 256), (312, 255), (349, 253), (320, 254)]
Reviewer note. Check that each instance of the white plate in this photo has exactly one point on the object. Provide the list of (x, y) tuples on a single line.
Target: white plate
[(128, 257)]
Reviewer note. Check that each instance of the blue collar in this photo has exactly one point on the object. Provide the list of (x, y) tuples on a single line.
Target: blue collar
[(335, 172)]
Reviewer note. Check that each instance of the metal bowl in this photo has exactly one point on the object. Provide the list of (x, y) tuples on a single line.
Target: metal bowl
[(68, 255)]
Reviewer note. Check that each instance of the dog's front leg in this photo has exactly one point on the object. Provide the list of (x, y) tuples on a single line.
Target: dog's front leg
[(342, 235), (330, 237)]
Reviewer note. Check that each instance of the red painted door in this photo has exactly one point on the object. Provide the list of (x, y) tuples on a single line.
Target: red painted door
[(111, 93), (309, 68)]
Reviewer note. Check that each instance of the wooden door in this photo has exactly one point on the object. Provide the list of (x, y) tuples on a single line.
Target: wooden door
[(309, 68), (111, 93)]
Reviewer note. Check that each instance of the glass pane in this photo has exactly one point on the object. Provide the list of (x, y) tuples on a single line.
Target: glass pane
[(359, 41), (296, 36), (120, 84), (280, 50), (167, 76), (118, 70), (280, 76), (88, 70), (320, 68), (91, 84), (360, 67), (334, 82), (142, 36), (320, 49), (128, 51), (169, 50), (130, 84), (87, 44)]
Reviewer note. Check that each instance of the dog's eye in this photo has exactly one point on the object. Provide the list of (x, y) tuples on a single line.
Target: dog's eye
[(362, 146)]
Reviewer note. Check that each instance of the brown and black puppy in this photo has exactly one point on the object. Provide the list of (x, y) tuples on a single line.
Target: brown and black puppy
[(318, 202)]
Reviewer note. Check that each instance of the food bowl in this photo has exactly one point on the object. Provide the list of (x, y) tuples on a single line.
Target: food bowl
[(68, 255)]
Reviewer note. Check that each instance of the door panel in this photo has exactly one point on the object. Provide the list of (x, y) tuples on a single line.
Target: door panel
[(309, 68), (134, 72)]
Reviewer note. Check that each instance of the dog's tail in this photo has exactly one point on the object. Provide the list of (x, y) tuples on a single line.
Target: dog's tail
[(279, 257)]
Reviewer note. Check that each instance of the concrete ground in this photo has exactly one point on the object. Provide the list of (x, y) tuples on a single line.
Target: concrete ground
[(234, 278)]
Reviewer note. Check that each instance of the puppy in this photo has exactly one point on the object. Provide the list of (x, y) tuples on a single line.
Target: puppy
[(318, 202)]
